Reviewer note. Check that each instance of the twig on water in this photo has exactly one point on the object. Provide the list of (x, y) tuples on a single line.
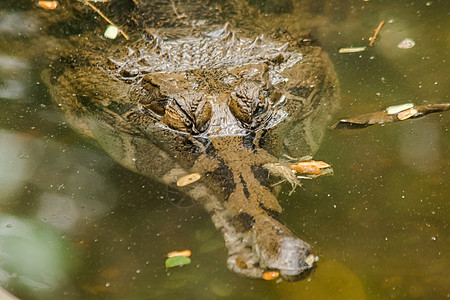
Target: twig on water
[(106, 18), (372, 39)]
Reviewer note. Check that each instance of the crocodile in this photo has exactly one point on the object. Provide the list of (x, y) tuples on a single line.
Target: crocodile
[(193, 91)]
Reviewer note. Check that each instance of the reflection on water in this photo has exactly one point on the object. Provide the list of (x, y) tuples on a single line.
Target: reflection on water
[(32, 255), (74, 224)]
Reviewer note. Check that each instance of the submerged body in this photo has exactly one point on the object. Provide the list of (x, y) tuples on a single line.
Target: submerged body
[(219, 101)]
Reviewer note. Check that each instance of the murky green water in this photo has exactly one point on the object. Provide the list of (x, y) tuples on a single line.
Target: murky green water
[(76, 225)]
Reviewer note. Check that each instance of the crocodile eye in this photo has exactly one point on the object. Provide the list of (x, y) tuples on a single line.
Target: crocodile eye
[(176, 118), (250, 105), (203, 115), (188, 112), (149, 95)]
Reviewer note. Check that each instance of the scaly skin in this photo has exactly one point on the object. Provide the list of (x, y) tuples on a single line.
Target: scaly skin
[(215, 102)]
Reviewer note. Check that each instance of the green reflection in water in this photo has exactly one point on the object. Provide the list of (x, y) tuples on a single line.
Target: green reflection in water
[(33, 258)]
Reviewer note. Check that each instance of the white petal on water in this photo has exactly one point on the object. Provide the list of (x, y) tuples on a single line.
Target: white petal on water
[(395, 109), (111, 32)]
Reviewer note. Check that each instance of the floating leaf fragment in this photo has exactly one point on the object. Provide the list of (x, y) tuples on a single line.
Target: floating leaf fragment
[(111, 32), (177, 261), (352, 49), (395, 109), (382, 117), (310, 259), (406, 114), (188, 179), (270, 275), (48, 4), (185, 253)]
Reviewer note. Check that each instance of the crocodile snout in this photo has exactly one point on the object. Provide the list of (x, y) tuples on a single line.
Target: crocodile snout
[(279, 249)]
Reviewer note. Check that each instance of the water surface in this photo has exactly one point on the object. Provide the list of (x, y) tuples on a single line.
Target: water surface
[(76, 225)]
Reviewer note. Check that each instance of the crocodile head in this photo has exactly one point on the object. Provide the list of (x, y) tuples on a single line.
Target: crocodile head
[(215, 104)]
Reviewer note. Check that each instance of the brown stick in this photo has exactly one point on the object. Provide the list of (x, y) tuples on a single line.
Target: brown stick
[(372, 39), (104, 17)]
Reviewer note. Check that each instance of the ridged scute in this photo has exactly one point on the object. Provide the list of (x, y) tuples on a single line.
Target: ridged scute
[(216, 49)]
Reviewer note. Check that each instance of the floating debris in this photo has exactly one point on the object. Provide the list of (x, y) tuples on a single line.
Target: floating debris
[(377, 30), (310, 259), (188, 179), (185, 253), (105, 18), (406, 114), (48, 4), (270, 275), (403, 111), (406, 44), (352, 49), (177, 261), (398, 113), (111, 32), (393, 110)]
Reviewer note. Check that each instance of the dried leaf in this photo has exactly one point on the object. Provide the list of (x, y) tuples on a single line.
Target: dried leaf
[(185, 253), (365, 120), (188, 179), (382, 117), (177, 261), (48, 4), (406, 114), (270, 275)]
